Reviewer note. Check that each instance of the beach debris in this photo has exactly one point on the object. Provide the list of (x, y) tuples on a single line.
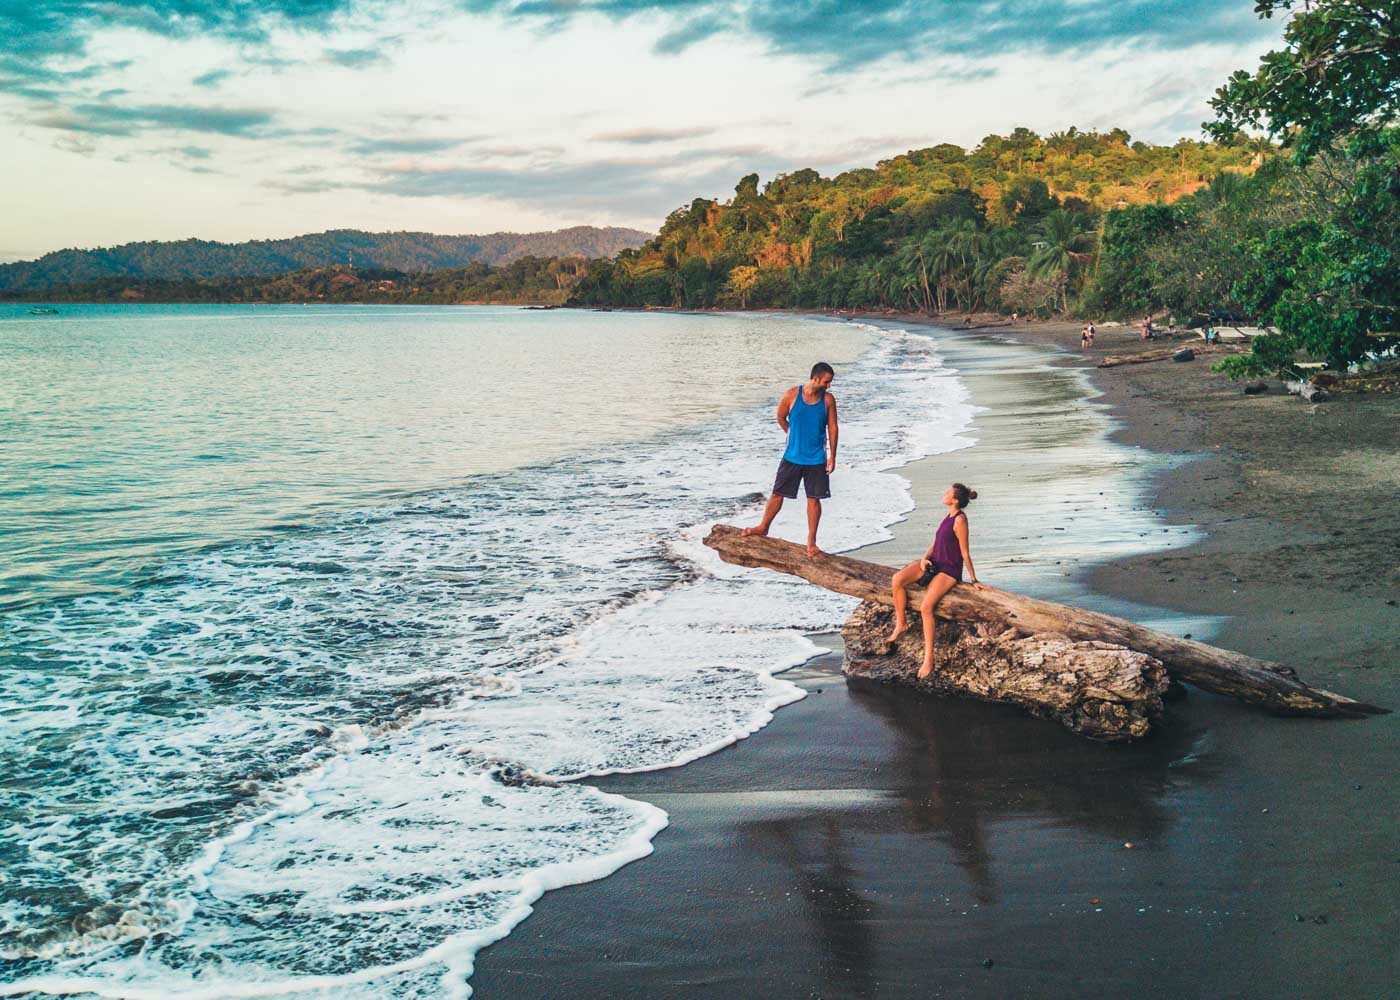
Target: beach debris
[(1321, 918), (1298, 918), (1307, 390), (1164, 354), (1128, 844), (996, 619), (987, 963), (1095, 901), (1255, 388)]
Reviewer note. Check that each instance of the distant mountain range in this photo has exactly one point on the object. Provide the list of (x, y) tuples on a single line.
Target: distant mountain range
[(191, 259)]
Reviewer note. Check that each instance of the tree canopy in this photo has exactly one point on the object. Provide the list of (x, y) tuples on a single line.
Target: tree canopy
[(933, 229)]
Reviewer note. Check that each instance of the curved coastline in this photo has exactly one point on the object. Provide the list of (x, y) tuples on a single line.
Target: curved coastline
[(869, 842), (771, 843)]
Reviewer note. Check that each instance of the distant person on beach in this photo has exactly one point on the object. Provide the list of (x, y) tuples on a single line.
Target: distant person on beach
[(1090, 330), (939, 569), (807, 415), (1147, 328), (1084, 338)]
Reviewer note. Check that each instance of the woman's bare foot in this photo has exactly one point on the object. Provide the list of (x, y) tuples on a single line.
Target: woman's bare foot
[(757, 529), (812, 550), (899, 629), (926, 669)]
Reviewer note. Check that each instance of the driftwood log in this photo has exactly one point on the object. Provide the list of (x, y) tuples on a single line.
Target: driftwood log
[(1096, 689), (1272, 685), (1164, 354)]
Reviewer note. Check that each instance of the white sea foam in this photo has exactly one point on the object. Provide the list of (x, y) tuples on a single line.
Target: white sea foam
[(346, 759)]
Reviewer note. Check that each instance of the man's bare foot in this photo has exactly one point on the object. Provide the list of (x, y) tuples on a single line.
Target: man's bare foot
[(757, 529), (899, 629), (926, 669), (812, 550)]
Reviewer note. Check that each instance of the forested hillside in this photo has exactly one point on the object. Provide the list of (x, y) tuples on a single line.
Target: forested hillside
[(1288, 218), (523, 280), (1009, 225), (188, 260)]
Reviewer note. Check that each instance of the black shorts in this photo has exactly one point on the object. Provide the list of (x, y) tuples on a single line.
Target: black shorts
[(926, 577), (814, 479)]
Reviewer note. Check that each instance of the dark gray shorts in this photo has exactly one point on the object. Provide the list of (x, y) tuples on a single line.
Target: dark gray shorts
[(815, 481)]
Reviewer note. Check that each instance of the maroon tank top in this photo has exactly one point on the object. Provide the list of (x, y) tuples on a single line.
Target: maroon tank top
[(946, 554)]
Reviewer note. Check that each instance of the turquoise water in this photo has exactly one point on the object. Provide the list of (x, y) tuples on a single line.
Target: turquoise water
[(318, 619), (131, 433)]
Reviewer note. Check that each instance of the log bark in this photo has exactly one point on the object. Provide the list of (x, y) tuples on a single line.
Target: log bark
[(1095, 689), (1222, 671), (1165, 354)]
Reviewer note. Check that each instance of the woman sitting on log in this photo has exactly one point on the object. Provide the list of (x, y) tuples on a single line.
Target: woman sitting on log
[(938, 570)]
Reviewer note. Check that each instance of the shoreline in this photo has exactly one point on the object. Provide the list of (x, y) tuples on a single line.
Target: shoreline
[(872, 842)]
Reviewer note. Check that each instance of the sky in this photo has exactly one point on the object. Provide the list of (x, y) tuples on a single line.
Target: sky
[(253, 119)]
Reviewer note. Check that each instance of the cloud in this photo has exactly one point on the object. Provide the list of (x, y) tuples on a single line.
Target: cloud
[(646, 136), (355, 58), (315, 186), (411, 144), (842, 36), (213, 78), (632, 187), (36, 33), (513, 151), (113, 120), (688, 33)]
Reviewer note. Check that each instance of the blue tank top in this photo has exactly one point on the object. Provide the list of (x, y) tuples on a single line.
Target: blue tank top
[(806, 431)]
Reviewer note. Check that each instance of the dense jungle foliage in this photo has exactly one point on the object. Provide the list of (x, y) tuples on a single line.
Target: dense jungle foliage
[(1012, 225)]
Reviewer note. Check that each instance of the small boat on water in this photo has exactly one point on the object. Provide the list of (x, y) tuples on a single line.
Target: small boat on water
[(43, 311)]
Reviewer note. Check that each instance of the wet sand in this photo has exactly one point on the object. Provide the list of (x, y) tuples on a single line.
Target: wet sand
[(870, 842)]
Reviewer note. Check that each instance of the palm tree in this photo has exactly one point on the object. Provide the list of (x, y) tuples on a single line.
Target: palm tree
[(1225, 188), (970, 245), (913, 264), (1061, 244)]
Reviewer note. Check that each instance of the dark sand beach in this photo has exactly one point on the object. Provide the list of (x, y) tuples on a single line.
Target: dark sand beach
[(871, 842)]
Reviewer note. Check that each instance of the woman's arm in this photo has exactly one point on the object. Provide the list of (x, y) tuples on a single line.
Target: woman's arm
[(960, 529)]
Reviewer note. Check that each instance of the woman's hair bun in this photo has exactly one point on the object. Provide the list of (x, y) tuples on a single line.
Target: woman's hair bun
[(963, 495), (972, 494)]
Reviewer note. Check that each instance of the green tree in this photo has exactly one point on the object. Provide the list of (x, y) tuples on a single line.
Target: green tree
[(1338, 77), (1062, 244), (1330, 283), (741, 283)]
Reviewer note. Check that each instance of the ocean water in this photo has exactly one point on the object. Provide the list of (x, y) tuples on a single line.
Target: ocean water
[(317, 621)]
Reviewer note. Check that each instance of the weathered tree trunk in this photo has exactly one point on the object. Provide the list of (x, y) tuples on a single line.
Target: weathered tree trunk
[(1222, 671), (1165, 354), (1095, 689)]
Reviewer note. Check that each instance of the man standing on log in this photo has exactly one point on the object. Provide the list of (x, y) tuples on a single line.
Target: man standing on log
[(807, 415)]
